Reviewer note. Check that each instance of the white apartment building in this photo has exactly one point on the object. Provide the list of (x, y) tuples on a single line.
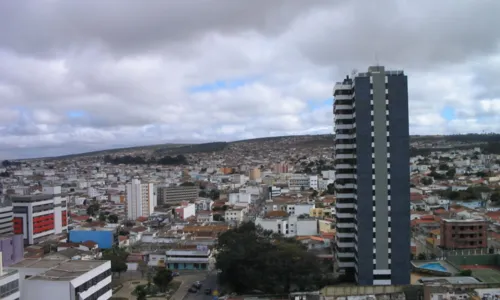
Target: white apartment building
[(297, 182), (313, 182), (289, 226), (235, 214), (6, 217), (240, 198), (299, 209), (141, 199), (323, 183), (328, 174), (47, 279), (9, 283), (40, 215)]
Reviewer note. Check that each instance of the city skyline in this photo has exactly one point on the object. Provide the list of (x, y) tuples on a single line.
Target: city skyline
[(74, 80)]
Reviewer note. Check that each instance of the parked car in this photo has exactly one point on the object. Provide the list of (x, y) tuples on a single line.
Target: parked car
[(208, 291), (197, 285), (175, 274), (193, 290)]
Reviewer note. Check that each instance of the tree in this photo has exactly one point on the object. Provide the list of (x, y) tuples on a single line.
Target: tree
[(451, 173), (314, 194), (143, 268), (422, 256), (214, 194), (495, 197), (162, 278), (6, 163), (203, 194), (444, 167), (118, 258), (251, 258), (426, 181), (113, 219), (102, 217), (187, 183), (465, 272), (330, 189), (141, 292), (219, 218), (93, 208)]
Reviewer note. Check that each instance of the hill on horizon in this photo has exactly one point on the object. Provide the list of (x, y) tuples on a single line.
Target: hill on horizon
[(300, 140)]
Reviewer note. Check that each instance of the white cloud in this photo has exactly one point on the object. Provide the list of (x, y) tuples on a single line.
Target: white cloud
[(81, 76)]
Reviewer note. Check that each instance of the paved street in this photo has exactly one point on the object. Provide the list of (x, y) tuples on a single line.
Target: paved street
[(187, 279), (210, 281)]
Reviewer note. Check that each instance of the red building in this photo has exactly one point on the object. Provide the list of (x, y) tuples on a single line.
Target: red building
[(464, 234)]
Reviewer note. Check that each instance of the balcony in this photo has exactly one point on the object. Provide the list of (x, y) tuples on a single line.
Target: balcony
[(345, 136), (345, 245), (345, 156), (344, 166), (344, 205), (345, 176), (345, 186), (345, 146), (342, 86), (343, 97), (345, 254), (344, 126), (345, 225), (346, 196), (342, 107), (343, 117)]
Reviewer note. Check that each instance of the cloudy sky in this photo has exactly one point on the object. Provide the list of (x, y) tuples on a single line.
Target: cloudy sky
[(86, 75)]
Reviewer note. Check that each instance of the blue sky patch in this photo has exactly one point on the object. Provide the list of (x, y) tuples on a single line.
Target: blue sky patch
[(220, 85), (75, 114), (448, 113), (318, 104)]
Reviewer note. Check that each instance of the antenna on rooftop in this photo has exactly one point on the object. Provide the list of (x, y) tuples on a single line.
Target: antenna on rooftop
[(376, 59), (354, 72)]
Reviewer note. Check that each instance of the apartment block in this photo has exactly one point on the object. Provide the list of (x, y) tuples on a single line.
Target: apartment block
[(6, 217), (9, 283), (141, 200), (64, 279), (289, 226), (40, 215), (464, 234), (372, 178), (177, 194)]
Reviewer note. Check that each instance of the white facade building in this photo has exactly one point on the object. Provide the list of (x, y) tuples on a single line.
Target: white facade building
[(313, 182), (297, 182), (141, 200), (41, 215), (289, 226), (44, 279), (299, 209), (235, 214), (6, 217), (9, 283)]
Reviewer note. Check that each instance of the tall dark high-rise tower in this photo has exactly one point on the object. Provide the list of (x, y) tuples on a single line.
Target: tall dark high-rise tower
[(372, 177)]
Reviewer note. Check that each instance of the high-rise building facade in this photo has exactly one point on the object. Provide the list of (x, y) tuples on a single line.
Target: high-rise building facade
[(372, 177), (40, 215), (141, 200)]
